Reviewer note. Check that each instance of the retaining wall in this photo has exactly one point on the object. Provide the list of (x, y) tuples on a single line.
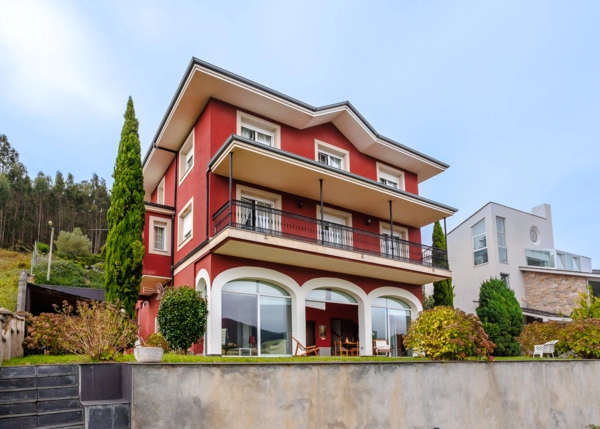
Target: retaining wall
[(544, 394)]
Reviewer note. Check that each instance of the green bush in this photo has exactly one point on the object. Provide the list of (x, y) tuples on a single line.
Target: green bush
[(157, 340), (588, 306), (98, 330), (501, 315), (582, 337), (540, 333), (72, 244), (448, 333), (43, 334), (182, 317), (43, 248), (65, 272)]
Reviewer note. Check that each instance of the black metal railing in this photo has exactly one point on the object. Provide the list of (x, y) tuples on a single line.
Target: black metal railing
[(256, 217)]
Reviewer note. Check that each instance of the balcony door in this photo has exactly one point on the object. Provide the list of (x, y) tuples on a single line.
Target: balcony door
[(395, 245)]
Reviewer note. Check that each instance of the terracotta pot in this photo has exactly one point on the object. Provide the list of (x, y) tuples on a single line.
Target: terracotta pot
[(148, 354)]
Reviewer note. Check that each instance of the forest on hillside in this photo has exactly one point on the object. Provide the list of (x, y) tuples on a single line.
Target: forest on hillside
[(27, 204)]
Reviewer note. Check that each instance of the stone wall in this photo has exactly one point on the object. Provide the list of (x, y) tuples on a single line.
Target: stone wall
[(555, 293), (414, 395)]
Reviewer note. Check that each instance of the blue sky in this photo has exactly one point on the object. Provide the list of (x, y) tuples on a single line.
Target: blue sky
[(506, 92)]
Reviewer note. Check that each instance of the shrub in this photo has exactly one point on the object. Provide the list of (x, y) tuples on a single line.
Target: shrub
[(68, 273), (182, 317), (43, 248), (540, 333), (582, 337), (157, 340), (43, 334), (588, 306), (501, 315), (99, 330), (448, 333), (72, 244)]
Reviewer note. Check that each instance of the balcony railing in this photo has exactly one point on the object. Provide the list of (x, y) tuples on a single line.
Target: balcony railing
[(266, 220)]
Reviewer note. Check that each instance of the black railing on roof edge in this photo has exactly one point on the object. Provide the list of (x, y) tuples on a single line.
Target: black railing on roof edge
[(266, 220)]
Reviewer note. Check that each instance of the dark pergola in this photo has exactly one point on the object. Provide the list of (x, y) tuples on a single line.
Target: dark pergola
[(41, 298)]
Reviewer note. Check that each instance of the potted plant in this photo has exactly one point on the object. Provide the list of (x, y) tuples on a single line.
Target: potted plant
[(151, 350)]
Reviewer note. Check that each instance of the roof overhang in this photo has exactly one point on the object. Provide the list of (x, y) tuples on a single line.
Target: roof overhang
[(203, 81), (557, 272)]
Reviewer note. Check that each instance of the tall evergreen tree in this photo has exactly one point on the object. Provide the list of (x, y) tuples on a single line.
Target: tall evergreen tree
[(124, 247), (501, 315), (443, 292)]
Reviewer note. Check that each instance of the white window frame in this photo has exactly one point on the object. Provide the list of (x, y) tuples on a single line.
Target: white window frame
[(401, 233), (257, 124), (165, 223), (242, 191), (505, 278), (332, 151), (187, 210), (500, 234), (385, 173), (486, 247), (346, 238), (160, 192), (186, 157)]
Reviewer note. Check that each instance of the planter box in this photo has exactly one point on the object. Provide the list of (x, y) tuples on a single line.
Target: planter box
[(148, 354)]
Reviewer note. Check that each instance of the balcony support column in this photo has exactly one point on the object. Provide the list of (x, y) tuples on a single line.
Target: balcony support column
[(230, 186), (322, 221), (392, 228)]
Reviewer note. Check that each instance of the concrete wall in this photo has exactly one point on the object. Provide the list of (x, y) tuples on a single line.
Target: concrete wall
[(545, 394)]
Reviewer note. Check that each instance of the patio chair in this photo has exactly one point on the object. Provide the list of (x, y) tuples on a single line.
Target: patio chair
[(307, 350), (546, 348), (381, 346), (338, 349)]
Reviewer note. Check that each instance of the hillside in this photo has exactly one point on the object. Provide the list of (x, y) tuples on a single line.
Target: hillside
[(11, 263)]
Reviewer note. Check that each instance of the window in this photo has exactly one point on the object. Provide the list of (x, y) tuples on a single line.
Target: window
[(259, 130), (396, 247), (540, 258), (504, 278), (390, 319), (160, 192), (334, 228), (256, 319), (186, 157), (390, 177), (186, 222), (160, 235), (259, 209), (480, 253), (502, 252), (332, 156)]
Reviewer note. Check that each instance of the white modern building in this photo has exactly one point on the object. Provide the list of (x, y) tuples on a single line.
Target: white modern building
[(518, 247)]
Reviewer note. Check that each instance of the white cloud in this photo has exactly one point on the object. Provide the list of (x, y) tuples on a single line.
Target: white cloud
[(48, 59)]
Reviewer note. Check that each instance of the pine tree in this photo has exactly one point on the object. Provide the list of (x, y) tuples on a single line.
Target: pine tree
[(443, 292), (124, 246), (501, 315)]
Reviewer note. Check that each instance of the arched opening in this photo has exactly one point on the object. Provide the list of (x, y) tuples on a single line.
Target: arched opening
[(331, 317), (256, 319), (390, 318)]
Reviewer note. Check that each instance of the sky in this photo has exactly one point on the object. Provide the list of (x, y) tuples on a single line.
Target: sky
[(505, 92)]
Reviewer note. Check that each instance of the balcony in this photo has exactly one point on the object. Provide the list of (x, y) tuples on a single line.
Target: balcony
[(248, 230)]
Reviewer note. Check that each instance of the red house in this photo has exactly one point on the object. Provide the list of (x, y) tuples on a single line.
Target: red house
[(292, 220)]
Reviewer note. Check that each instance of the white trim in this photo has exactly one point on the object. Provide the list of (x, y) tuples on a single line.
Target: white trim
[(187, 210), (213, 341), (392, 173), (160, 191), (258, 194), (258, 124), (331, 150), (166, 224), (186, 164)]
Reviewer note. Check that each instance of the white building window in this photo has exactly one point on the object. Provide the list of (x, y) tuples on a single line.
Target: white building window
[(186, 157), (480, 253), (396, 246), (259, 130), (504, 278), (332, 156), (567, 261), (501, 233), (334, 229), (160, 235), (160, 192), (259, 210), (186, 223), (540, 258), (390, 176)]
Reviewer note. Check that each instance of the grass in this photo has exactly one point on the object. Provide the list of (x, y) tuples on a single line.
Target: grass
[(11, 263)]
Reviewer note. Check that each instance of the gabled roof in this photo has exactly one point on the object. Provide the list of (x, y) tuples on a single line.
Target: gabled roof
[(203, 81)]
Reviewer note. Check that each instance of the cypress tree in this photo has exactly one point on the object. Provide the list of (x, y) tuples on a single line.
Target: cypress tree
[(501, 315), (443, 292), (124, 246)]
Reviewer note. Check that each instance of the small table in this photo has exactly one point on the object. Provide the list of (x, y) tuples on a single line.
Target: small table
[(352, 347)]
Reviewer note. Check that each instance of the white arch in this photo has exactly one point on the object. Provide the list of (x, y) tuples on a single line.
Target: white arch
[(364, 322), (213, 341), (203, 286)]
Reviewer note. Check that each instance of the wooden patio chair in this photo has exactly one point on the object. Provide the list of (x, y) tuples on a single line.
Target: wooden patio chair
[(338, 349), (307, 350), (546, 348), (381, 346)]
